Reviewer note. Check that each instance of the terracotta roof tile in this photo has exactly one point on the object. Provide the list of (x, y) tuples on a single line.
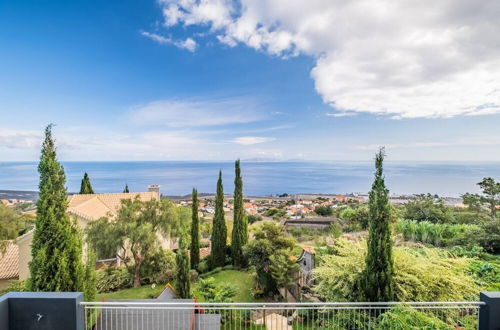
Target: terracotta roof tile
[(9, 262), (95, 206)]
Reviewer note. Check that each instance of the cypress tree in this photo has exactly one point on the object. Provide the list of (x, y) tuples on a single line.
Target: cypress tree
[(86, 187), (239, 235), (195, 235), (126, 189), (219, 230), (182, 282), (57, 246), (377, 279)]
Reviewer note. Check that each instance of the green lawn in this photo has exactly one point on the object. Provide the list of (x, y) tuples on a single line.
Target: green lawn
[(143, 292), (241, 280)]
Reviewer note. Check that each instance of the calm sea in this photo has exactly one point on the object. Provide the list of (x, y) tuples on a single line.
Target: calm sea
[(260, 178)]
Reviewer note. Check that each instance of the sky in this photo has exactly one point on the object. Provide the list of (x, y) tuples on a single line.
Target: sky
[(262, 79)]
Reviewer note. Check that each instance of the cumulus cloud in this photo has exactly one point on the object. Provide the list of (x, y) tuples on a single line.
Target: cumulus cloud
[(404, 59), (188, 43), (251, 140), (198, 112)]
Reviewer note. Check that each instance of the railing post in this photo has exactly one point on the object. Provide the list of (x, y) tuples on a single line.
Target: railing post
[(489, 314)]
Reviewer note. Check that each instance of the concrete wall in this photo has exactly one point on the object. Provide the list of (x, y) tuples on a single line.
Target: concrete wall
[(24, 245), (42, 311)]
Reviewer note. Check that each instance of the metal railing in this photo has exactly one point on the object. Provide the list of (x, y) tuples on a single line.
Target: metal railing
[(133, 315)]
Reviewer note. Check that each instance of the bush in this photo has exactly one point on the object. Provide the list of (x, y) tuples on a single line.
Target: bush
[(357, 219), (15, 286), (420, 275), (113, 279), (324, 211), (403, 318), (159, 268), (254, 218)]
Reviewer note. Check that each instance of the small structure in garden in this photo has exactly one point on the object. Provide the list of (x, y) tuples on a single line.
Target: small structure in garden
[(304, 280)]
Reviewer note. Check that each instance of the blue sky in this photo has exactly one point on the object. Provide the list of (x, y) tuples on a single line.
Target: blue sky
[(211, 80)]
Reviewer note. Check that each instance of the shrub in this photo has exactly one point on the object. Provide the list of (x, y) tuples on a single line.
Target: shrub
[(15, 286), (324, 211), (403, 318), (357, 219), (113, 279), (420, 275), (159, 268), (254, 218)]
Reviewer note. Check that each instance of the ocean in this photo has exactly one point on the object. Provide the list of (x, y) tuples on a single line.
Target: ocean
[(260, 178)]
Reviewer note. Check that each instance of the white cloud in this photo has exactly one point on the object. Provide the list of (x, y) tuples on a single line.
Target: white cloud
[(404, 59), (188, 43), (251, 140), (198, 112), (469, 142), (340, 114)]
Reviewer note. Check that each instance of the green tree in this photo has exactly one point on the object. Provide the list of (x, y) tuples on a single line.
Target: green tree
[(472, 201), (377, 279), (182, 281), (324, 211), (239, 235), (491, 194), (270, 239), (12, 224), (126, 189), (90, 286), (135, 232), (56, 248), (86, 187), (427, 208), (219, 230), (195, 233), (283, 269)]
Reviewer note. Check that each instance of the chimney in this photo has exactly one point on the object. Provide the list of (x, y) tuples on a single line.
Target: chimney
[(156, 189)]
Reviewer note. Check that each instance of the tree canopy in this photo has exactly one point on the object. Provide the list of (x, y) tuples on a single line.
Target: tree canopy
[(134, 235), (195, 233), (239, 235)]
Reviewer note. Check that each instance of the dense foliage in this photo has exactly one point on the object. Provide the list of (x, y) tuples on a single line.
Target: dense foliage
[(356, 218), (239, 235), (211, 292), (57, 245), (438, 234), (113, 279), (136, 232), (419, 275), (427, 208), (324, 211), (12, 224), (377, 278), (269, 240), (219, 229), (194, 249)]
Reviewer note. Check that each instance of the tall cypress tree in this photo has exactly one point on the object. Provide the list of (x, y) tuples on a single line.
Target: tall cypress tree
[(239, 235), (57, 246), (219, 230), (126, 189), (195, 235), (377, 279), (86, 187), (182, 282)]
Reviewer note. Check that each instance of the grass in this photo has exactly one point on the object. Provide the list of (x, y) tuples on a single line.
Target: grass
[(241, 280), (142, 292)]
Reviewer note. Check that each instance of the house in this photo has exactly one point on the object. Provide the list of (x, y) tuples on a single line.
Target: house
[(9, 264), (85, 208), (307, 262)]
